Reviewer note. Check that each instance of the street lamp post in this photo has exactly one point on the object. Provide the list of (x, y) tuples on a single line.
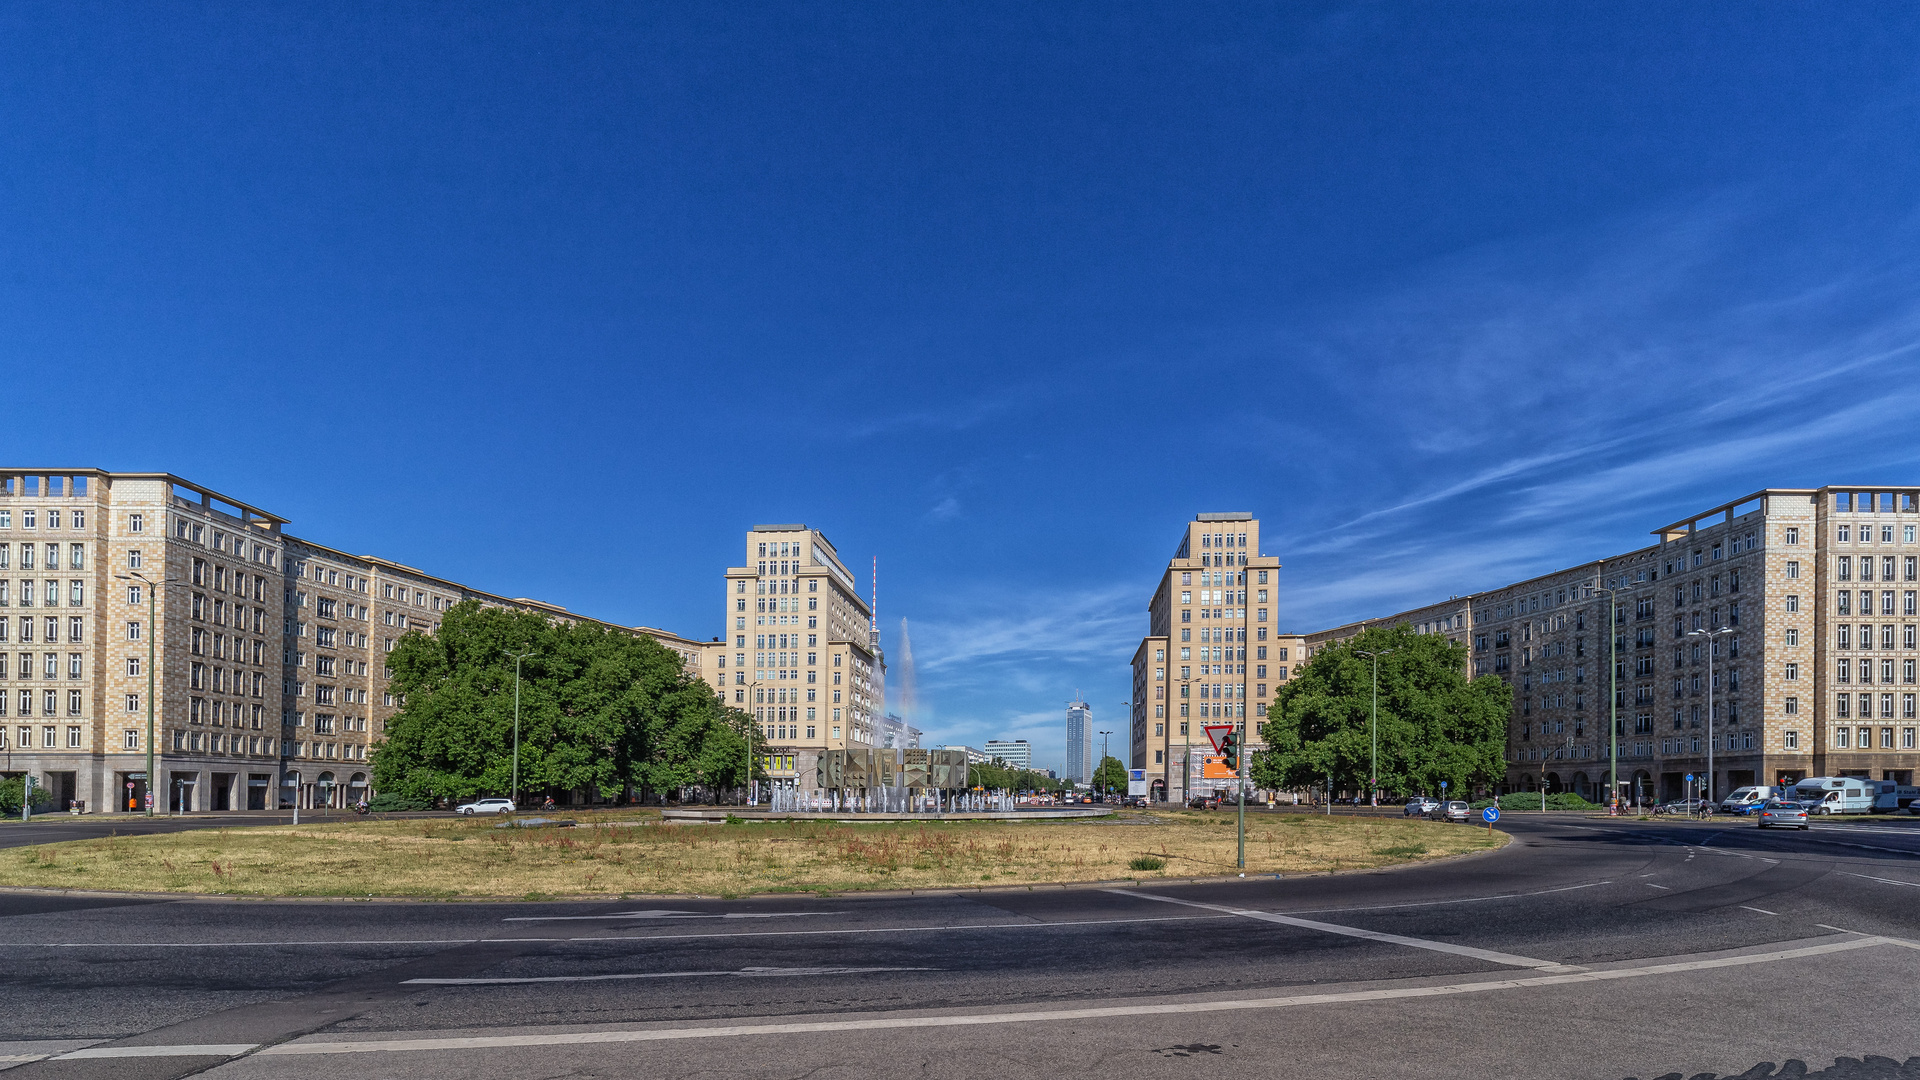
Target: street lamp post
[(1712, 636), (1104, 789), (1375, 657), (1613, 693), (517, 657), (153, 628), (1186, 756)]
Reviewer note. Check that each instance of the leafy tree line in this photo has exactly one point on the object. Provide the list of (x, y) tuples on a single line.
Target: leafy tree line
[(612, 713), (997, 776), (1110, 776), (1435, 724)]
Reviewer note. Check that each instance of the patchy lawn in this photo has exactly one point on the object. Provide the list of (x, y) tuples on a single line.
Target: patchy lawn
[(467, 858)]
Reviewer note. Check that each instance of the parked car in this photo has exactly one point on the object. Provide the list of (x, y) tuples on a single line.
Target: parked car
[(1420, 806), (1455, 810), (1204, 802), (1781, 812), (485, 806), (1684, 807)]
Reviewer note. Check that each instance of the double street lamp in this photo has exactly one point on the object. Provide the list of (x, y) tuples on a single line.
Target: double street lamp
[(153, 630), (1711, 637), (1100, 770), (1375, 657), (517, 657)]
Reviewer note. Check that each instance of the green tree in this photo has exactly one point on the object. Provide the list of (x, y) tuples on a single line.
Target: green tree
[(997, 775), (601, 710), (1110, 776), (1434, 724)]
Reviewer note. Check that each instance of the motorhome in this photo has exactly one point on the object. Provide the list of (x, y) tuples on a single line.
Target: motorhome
[(1890, 796), (1835, 795)]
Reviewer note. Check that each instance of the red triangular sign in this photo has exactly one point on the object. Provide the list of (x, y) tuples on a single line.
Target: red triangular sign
[(1216, 732)]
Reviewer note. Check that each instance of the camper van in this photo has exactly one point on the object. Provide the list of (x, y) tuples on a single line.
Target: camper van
[(1889, 796), (1835, 795)]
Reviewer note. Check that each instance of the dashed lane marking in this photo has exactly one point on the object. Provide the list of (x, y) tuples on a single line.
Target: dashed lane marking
[(1762, 911), (670, 915), (1882, 880), (1488, 955), (746, 973)]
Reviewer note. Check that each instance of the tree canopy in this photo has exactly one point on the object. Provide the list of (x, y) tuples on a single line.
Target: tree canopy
[(1110, 776), (600, 710), (1435, 724), (996, 775)]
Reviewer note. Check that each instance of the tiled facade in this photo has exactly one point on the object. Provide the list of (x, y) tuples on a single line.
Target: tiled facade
[(1818, 591), (269, 678), (1211, 655), (805, 660)]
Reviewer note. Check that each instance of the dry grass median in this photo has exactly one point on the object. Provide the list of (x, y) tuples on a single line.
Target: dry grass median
[(458, 858)]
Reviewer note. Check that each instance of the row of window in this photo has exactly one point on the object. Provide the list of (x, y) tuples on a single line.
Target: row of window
[(1846, 533), (76, 557), (49, 737), (1843, 703), (1843, 566), (1236, 613), (50, 667), (30, 518), (49, 627), (49, 596), (76, 702), (1864, 738)]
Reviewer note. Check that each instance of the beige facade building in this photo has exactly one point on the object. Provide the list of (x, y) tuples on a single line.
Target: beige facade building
[(1815, 594), (805, 659), (1210, 656), (269, 651)]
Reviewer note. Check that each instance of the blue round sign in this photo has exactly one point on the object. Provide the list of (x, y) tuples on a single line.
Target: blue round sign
[(1491, 814), (1689, 778)]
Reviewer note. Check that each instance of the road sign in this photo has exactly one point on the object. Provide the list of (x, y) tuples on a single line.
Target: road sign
[(1491, 814), (1443, 785), (1689, 778), (1216, 732)]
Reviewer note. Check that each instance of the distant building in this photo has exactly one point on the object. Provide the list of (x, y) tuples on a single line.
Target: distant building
[(1017, 753), (892, 733), (974, 757), (1079, 742)]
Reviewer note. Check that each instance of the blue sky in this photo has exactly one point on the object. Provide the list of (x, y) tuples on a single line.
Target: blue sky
[(557, 300)]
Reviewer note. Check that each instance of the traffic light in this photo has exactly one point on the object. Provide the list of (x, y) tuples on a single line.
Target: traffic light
[(1230, 749)]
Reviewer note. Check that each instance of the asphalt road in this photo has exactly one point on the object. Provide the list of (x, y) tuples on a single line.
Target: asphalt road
[(1588, 948)]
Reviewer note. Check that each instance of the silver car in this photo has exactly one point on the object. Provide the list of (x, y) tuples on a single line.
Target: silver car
[(1420, 806), (1453, 811), (485, 806), (1790, 814)]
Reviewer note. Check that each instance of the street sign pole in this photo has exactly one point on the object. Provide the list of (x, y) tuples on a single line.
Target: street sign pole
[(1240, 779)]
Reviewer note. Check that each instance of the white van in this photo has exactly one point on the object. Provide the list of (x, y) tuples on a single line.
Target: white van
[(1745, 800), (1889, 796), (1835, 795)]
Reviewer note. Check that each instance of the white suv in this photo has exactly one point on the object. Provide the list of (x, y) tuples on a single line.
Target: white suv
[(485, 806)]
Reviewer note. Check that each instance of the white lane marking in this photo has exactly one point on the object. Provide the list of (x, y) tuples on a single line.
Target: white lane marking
[(1488, 955), (665, 914), (603, 937), (1762, 911), (191, 1050), (299, 1048), (750, 973), (1438, 903), (1829, 926), (1651, 885), (1882, 880)]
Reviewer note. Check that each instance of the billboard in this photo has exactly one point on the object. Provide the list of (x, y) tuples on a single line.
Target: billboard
[(1215, 768), (1136, 782)]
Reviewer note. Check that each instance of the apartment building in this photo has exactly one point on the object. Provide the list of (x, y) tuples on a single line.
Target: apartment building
[(1013, 753), (817, 675), (267, 667), (1080, 764), (1778, 630), (1210, 653)]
